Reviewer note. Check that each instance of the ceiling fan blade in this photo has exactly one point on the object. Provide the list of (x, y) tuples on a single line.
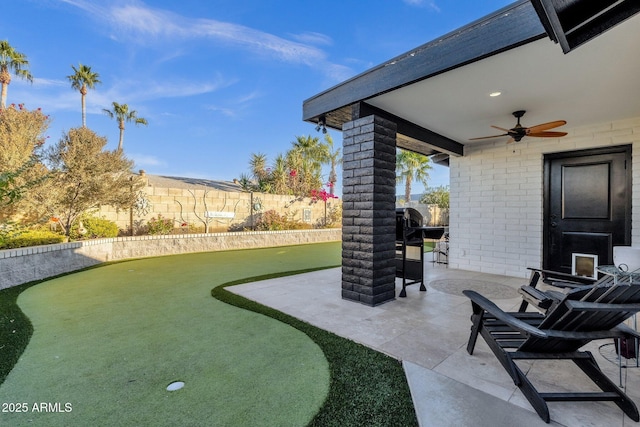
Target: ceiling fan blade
[(545, 126), (502, 129), (547, 134), (488, 137)]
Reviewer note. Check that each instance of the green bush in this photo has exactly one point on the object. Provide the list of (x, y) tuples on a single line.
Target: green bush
[(272, 221), (31, 238), (436, 196), (160, 225), (333, 217), (9, 230), (95, 228)]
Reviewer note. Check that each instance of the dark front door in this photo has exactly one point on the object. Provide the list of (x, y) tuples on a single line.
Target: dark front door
[(587, 205)]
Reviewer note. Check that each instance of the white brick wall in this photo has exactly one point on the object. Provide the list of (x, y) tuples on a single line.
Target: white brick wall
[(496, 210)]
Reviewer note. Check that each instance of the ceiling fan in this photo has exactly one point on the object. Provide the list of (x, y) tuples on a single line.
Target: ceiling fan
[(518, 131)]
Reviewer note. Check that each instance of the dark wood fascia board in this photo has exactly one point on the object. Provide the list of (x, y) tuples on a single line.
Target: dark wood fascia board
[(549, 19), (573, 23), (506, 29), (603, 22), (435, 143)]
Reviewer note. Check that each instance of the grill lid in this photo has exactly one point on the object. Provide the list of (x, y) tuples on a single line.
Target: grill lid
[(406, 218), (412, 217)]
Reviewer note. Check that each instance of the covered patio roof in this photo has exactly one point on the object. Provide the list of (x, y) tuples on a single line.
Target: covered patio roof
[(438, 93)]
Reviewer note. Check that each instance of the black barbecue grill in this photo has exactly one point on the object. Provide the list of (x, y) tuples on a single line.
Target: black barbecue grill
[(411, 233)]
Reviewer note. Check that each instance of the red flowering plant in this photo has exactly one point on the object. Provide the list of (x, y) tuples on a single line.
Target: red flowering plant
[(321, 195)]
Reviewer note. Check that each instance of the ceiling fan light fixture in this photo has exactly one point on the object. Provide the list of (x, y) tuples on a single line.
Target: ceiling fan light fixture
[(518, 132)]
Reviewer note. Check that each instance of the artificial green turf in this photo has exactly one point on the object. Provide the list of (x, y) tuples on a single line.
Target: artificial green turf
[(367, 388), (15, 329), (108, 340)]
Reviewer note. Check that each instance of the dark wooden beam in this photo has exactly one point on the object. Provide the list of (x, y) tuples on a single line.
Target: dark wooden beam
[(572, 23), (416, 138)]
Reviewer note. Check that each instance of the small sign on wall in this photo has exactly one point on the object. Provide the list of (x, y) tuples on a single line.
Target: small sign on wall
[(584, 265), (306, 215), (214, 214)]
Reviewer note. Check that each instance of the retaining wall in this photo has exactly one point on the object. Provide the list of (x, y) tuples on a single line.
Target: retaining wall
[(24, 265)]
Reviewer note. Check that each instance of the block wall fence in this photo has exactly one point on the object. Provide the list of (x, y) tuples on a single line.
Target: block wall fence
[(188, 205), (24, 265)]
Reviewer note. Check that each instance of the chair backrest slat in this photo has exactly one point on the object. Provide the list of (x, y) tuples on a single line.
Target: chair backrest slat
[(617, 294), (564, 316)]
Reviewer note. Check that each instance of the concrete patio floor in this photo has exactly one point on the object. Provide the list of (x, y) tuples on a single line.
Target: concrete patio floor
[(428, 331)]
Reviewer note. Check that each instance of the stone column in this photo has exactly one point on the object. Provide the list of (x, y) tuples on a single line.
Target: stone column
[(368, 215)]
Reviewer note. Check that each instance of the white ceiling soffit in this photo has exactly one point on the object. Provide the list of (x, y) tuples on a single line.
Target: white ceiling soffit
[(595, 83)]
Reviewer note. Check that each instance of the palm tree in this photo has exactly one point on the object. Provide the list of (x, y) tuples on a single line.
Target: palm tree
[(308, 154), (281, 175), (11, 61), (300, 168), (334, 159), (410, 165), (82, 80), (313, 152), (258, 164), (122, 114)]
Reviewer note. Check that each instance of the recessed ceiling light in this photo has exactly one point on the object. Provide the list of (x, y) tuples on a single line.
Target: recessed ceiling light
[(494, 94)]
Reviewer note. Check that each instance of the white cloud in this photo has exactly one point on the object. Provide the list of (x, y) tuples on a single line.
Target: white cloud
[(313, 38), (225, 111), (339, 72), (235, 107), (423, 3), (63, 98), (174, 89), (50, 82), (135, 21), (249, 97), (145, 160), (57, 95), (140, 91)]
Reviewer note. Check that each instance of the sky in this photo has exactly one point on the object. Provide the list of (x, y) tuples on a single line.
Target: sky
[(217, 80)]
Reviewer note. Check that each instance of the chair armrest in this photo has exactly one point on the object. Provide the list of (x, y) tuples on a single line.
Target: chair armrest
[(503, 316), (536, 297), (616, 332), (628, 331), (620, 331), (563, 280)]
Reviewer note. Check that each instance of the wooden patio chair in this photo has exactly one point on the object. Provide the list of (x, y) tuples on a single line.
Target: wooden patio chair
[(584, 314), (542, 300)]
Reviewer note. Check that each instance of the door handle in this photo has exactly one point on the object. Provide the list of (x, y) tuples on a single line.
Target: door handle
[(554, 224)]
